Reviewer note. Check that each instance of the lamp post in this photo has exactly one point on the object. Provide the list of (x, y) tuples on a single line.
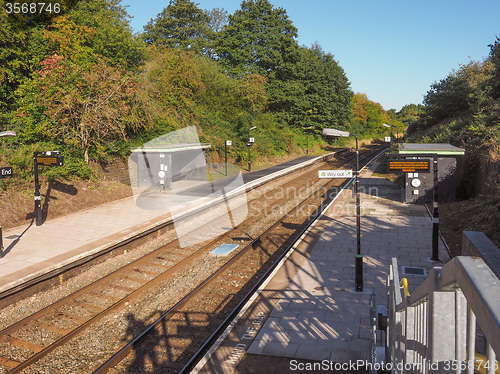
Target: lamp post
[(386, 125), (250, 143), (307, 139), (358, 269), (3, 134)]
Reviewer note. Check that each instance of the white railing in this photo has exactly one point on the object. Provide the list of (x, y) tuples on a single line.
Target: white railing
[(449, 324)]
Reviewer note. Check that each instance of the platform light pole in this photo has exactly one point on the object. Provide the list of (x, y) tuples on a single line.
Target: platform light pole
[(250, 143), (307, 138), (3, 134), (358, 268)]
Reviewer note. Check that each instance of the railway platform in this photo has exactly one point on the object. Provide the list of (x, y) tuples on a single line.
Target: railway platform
[(34, 253), (309, 312)]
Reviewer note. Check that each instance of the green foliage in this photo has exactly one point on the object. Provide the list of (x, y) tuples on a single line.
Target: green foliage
[(113, 37), (368, 118), (410, 115), (84, 105), (82, 83), (180, 25), (494, 58), (464, 109), (258, 39), (314, 93)]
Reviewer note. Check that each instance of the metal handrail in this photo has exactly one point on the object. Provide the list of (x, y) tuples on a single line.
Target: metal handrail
[(437, 322), (404, 285)]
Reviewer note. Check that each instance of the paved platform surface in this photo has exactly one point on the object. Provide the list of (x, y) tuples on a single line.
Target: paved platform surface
[(31, 251), (310, 310), (320, 315)]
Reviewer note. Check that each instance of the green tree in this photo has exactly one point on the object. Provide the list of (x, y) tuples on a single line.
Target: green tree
[(113, 37), (82, 106), (494, 57), (316, 92), (180, 25), (458, 94), (217, 20), (257, 39), (368, 117)]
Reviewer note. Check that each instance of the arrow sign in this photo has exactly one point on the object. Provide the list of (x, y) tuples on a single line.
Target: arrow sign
[(335, 173)]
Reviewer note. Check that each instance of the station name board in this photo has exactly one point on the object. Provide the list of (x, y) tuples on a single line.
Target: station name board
[(409, 166)]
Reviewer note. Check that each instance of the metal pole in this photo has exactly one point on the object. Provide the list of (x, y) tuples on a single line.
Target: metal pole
[(38, 205), (359, 257), (249, 164), (307, 138), (225, 152), (1, 242), (435, 214)]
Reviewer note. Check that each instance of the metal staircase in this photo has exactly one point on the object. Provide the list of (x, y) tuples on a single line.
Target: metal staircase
[(449, 324)]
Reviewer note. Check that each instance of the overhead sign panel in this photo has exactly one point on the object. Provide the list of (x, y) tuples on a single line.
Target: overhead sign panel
[(335, 174), (49, 158), (409, 166), (50, 161)]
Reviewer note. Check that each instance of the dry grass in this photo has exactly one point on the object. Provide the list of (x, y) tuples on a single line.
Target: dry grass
[(480, 214)]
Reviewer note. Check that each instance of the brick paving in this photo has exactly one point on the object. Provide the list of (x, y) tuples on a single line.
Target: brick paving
[(321, 316)]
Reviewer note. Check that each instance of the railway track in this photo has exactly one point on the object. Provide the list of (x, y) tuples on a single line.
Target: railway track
[(180, 326)]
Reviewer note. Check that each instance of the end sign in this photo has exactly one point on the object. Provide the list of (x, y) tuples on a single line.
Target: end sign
[(6, 172)]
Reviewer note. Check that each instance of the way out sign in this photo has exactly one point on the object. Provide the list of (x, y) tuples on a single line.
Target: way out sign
[(335, 173)]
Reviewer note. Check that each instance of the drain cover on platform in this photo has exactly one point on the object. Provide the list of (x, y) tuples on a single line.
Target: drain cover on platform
[(411, 270), (224, 249)]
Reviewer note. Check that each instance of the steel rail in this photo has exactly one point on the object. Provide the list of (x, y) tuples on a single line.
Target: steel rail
[(179, 266), (127, 349)]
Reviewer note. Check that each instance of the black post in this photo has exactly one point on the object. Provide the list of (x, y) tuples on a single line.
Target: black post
[(38, 203), (249, 164), (435, 214), (307, 138), (225, 152), (359, 257), (1, 242)]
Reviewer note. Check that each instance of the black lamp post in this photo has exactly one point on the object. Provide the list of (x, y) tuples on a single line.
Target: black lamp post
[(358, 269), (307, 139), (250, 143)]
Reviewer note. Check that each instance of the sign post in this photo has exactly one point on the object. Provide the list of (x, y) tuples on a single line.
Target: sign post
[(49, 158), (228, 143), (251, 140)]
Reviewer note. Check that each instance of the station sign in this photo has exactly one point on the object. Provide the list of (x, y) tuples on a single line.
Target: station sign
[(229, 142), (6, 172), (334, 174), (409, 166)]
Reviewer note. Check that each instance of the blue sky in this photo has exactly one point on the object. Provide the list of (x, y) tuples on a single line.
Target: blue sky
[(390, 50)]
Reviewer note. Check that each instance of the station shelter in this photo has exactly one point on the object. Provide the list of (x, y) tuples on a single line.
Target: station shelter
[(161, 165)]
